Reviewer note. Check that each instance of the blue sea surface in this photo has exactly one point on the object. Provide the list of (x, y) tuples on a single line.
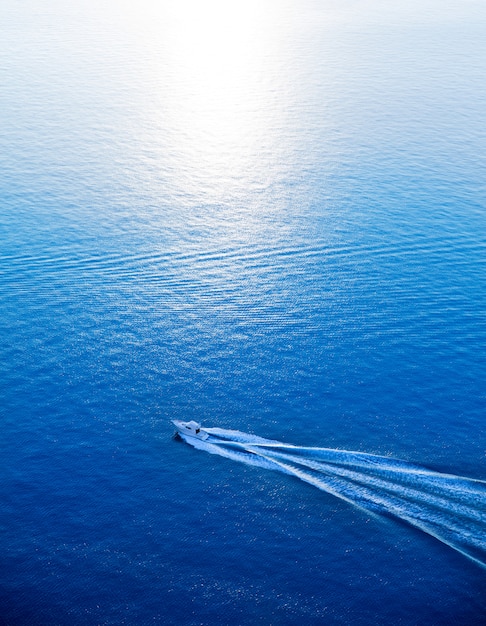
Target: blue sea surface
[(264, 216)]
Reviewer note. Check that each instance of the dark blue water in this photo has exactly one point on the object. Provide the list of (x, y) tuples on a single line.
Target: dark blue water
[(264, 216)]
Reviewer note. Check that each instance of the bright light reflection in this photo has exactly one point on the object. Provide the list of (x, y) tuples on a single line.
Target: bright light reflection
[(222, 94)]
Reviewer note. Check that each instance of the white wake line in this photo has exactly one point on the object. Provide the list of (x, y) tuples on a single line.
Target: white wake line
[(360, 459), (421, 492), (397, 511), (450, 508)]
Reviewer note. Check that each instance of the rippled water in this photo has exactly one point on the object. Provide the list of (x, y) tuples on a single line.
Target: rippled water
[(450, 508), (263, 216)]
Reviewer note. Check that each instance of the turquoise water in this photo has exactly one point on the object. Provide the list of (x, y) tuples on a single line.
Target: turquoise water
[(268, 217)]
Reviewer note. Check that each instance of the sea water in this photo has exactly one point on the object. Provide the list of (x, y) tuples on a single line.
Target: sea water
[(267, 217), (450, 508)]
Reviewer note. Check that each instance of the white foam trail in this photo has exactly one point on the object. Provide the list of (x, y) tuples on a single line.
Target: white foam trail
[(448, 507)]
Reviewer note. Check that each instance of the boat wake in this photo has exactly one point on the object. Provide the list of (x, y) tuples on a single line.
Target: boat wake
[(450, 508)]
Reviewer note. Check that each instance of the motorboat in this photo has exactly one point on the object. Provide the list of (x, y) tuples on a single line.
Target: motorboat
[(190, 429)]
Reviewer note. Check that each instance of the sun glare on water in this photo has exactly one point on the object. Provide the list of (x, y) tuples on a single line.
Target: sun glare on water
[(222, 96)]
